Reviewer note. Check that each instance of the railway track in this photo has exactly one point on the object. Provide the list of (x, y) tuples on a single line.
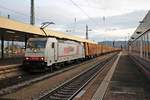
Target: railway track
[(69, 89), (15, 87), (8, 69)]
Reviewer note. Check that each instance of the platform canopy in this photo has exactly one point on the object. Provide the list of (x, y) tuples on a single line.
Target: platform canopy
[(17, 30), (143, 27)]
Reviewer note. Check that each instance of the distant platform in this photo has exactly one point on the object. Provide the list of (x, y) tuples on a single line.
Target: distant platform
[(10, 61)]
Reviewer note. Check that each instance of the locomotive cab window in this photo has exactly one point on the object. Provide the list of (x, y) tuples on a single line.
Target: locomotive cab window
[(36, 43)]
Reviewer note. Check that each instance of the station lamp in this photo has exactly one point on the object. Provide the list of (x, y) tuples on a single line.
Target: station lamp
[(132, 37), (138, 32), (141, 22)]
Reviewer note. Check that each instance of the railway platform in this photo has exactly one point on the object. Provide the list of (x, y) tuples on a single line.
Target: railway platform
[(9, 67), (127, 83), (10, 61)]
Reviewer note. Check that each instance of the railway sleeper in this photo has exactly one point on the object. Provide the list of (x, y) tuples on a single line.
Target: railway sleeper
[(56, 98), (62, 95), (70, 88), (75, 84), (66, 90), (65, 93)]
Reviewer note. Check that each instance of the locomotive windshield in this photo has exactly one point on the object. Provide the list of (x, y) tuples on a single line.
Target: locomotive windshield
[(37, 43)]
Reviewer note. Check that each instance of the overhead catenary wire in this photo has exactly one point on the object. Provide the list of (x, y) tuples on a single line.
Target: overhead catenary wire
[(83, 11), (75, 4), (22, 14), (42, 19)]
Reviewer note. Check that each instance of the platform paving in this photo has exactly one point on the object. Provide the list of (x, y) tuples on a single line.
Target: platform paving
[(126, 83)]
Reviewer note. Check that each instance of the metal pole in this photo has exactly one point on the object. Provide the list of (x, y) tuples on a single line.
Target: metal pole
[(2, 46), (32, 17), (8, 48), (125, 44), (86, 31), (114, 43), (25, 40), (12, 45), (75, 20), (8, 16)]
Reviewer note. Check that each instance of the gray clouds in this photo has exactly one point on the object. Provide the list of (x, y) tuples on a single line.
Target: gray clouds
[(121, 16)]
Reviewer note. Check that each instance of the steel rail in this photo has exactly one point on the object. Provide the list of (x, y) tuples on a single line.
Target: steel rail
[(9, 69), (15, 87), (72, 87)]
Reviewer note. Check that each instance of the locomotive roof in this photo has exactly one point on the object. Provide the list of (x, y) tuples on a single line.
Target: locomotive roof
[(7, 24)]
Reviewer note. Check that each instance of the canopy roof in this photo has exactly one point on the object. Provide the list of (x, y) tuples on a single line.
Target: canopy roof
[(142, 28), (22, 28)]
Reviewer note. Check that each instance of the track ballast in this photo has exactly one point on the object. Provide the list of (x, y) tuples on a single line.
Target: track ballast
[(71, 88)]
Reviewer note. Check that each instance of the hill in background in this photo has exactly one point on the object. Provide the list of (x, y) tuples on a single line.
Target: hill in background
[(116, 44)]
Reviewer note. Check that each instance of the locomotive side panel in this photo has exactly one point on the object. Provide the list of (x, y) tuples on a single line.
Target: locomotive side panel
[(69, 50), (51, 51)]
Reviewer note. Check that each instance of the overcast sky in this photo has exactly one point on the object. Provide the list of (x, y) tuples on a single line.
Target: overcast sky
[(108, 19)]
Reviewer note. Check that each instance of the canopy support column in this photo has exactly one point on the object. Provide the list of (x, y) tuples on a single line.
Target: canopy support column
[(2, 46), (25, 40)]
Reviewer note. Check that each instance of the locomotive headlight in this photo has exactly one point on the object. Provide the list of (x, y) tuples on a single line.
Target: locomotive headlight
[(26, 58), (42, 58)]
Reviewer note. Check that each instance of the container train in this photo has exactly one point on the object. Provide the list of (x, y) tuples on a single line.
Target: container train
[(50, 51)]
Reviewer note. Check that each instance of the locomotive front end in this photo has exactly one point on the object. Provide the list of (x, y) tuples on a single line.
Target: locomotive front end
[(35, 53)]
